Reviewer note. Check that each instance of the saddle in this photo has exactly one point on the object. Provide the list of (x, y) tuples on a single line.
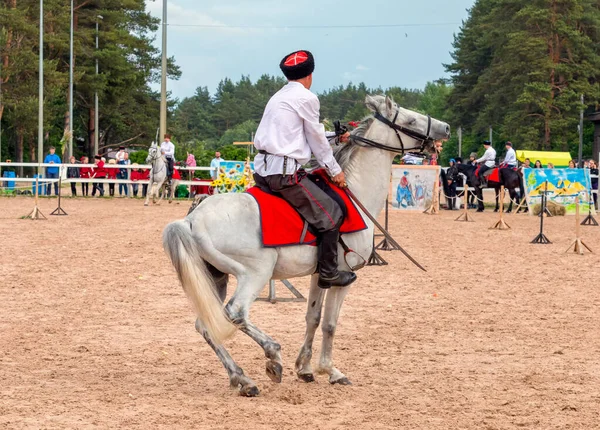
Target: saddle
[(282, 225)]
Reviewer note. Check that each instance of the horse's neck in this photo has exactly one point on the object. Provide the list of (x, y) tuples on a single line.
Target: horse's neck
[(368, 177)]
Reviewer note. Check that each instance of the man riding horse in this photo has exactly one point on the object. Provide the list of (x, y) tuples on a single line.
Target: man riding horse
[(487, 162), (288, 133)]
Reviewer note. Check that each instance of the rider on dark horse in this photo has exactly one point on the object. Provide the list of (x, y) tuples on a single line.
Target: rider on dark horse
[(487, 162), (288, 133)]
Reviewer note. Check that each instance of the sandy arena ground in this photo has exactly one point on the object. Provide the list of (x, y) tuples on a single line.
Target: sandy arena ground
[(95, 331)]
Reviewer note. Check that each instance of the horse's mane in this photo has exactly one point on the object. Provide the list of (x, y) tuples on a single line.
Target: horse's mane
[(344, 153)]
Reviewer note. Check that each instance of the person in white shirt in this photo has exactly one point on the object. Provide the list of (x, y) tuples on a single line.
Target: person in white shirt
[(168, 150), (215, 165), (288, 133), (488, 161), (120, 154), (510, 159)]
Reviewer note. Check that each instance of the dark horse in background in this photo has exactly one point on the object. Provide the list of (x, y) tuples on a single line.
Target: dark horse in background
[(510, 178)]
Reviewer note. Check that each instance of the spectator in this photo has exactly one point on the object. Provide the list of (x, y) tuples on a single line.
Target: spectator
[(73, 172), (594, 172), (85, 173), (52, 172), (527, 163), (190, 162), (452, 178), (538, 164), (111, 173), (123, 174), (99, 172), (121, 154), (572, 164), (215, 166), (550, 166), (472, 159)]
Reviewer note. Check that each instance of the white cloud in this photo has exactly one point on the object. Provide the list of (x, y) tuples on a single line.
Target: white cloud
[(362, 68), (350, 76), (187, 20)]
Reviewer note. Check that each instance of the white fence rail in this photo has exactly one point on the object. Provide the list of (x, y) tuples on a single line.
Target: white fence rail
[(43, 182)]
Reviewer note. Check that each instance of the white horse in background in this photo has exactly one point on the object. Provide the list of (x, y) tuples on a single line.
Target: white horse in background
[(222, 236), (158, 176)]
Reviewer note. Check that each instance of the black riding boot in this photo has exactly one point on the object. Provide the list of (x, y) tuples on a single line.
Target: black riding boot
[(329, 275)]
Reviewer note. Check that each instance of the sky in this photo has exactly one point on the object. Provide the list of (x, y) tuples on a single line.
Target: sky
[(212, 40)]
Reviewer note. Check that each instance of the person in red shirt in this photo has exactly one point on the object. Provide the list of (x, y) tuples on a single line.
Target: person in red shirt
[(98, 172), (84, 173), (144, 176), (111, 174)]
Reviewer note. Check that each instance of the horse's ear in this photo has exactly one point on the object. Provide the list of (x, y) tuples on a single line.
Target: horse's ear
[(371, 103), (389, 105)]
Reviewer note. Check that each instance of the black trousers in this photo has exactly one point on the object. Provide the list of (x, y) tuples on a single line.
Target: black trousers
[(482, 170), (74, 189), (85, 189), (98, 186), (314, 205), (170, 163)]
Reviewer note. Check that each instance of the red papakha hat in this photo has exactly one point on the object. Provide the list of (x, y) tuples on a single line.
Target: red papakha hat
[(297, 65)]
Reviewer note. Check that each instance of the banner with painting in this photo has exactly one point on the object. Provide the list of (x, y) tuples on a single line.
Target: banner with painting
[(564, 185), (234, 177), (412, 187)]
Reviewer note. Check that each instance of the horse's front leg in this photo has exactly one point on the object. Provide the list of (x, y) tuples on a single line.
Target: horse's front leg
[(313, 318), (512, 196), (159, 188), (497, 191), (335, 298), (479, 197), (148, 193)]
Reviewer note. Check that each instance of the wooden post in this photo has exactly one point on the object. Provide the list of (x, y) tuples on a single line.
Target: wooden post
[(35, 213), (434, 209), (578, 245), (464, 216), (501, 224)]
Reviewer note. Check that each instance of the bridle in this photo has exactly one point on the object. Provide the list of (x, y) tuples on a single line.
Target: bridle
[(423, 138), (153, 159)]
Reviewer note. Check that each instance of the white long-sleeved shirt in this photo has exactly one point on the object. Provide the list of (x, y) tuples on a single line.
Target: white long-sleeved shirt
[(168, 149), (489, 157), (511, 157), (290, 128)]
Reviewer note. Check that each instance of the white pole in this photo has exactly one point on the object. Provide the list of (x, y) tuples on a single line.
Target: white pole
[(460, 141), (41, 91), (163, 78), (71, 86), (96, 120)]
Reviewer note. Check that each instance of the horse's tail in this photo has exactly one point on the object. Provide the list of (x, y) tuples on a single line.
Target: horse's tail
[(198, 284)]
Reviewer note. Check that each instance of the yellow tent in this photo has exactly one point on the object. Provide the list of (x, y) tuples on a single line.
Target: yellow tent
[(559, 159)]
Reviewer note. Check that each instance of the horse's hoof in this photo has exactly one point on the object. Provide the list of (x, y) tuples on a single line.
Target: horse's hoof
[(249, 391), (508, 212), (496, 210), (479, 210), (145, 204), (341, 381), (306, 377), (274, 371)]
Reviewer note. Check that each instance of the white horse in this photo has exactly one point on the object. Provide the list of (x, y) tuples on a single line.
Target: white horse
[(222, 236), (158, 176)]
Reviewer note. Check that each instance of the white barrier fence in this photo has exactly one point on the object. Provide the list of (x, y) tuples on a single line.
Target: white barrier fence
[(43, 182)]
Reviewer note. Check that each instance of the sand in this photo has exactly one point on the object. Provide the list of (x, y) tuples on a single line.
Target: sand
[(95, 331)]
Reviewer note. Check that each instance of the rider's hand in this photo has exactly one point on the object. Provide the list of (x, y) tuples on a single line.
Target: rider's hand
[(345, 137), (340, 180)]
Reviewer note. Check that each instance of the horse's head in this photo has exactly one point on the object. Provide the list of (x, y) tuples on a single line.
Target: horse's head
[(408, 131), (153, 153)]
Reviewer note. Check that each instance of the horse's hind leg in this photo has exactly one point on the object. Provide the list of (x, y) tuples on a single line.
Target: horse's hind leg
[(313, 318), (237, 379), (335, 299), (237, 310)]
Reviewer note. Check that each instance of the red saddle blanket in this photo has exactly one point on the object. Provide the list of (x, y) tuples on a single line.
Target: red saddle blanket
[(494, 176), (281, 225)]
